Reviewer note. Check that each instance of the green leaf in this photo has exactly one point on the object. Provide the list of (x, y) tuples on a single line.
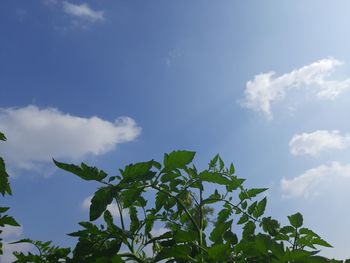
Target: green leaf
[(4, 209), (248, 229), (262, 243), (235, 183), (138, 172), (4, 183), (149, 223), (181, 236), (161, 199), (102, 198), (270, 226), (213, 162), (252, 207), (220, 228), (24, 240), (223, 215), (221, 163), (2, 137), (230, 237), (260, 208), (83, 171), (8, 220), (169, 177), (130, 196), (321, 242), (134, 220), (244, 218), (305, 231), (219, 252), (178, 160), (108, 218), (297, 254), (232, 169), (214, 177), (277, 250), (287, 230), (296, 220), (252, 193), (213, 198)]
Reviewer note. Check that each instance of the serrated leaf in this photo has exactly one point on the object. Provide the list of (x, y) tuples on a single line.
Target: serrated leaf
[(248, 229), (232, 169), (4, 183), (134, 220), (260, 208), (255, 191), (252, 207), (230, 237), (161, 199), (178, 160), (270, 226), (8, 220), (218, 252), (296, 220), (220, 228), (223, 215), (138, 172), (262, 243), (83, 171), (214, 177), (221, 164), (213, 162), (101, 199), (108, 218), (244, 218), (321, 242)]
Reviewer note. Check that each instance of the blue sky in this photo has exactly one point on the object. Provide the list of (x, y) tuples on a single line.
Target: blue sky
[(114, 82)]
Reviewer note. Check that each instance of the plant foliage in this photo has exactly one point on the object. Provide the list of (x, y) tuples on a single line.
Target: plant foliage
[(208, 216)]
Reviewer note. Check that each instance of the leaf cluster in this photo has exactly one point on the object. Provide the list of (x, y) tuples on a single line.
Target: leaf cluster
[(5, 189), (208, 216)]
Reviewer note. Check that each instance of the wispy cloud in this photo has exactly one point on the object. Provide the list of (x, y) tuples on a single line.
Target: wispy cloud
[(37, 135), (316, 180), (267, 88), (83, 11), (315, 142)]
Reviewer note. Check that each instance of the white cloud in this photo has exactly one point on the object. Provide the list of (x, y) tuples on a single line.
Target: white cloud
[(37, 135), (8, 249), (113, 207), (316, 180), (318, 141), (11, 231), (11, 234), (83, 11), (266, 88)]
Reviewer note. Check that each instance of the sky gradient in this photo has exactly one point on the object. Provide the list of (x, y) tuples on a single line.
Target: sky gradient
[(264, 83)]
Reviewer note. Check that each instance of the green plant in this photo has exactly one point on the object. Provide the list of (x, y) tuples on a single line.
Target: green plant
[(5, 220), (180, 202), (208, 216)]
